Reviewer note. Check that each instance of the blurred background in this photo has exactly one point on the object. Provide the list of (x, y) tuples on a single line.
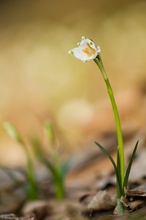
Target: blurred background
[(39, 80)]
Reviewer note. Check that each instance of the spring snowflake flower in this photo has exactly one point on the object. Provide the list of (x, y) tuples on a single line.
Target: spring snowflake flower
[(86, 50)]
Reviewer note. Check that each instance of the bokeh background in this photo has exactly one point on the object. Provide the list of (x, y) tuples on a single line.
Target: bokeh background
[(40, 80)]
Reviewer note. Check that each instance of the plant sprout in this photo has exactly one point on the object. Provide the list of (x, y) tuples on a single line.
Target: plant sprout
[(57, 168), (32, 189), (87, 50)]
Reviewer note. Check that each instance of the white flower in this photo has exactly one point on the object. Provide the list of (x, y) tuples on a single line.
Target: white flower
[(86, 50)]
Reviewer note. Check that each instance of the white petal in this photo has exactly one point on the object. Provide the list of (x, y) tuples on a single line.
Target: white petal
[(98, 49), (78, 54)]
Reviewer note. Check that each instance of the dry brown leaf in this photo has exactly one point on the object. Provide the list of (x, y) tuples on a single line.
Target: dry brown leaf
[(103, 200), (134, 199)]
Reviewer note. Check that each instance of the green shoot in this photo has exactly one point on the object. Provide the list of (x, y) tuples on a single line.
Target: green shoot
[(108, 155), (119, 188), (57, 169), (32, 184)]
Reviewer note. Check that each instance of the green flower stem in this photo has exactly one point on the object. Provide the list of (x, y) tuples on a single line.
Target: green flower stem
[(98, 61)]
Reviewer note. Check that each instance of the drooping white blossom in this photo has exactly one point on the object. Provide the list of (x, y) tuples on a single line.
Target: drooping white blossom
[(86, 50)]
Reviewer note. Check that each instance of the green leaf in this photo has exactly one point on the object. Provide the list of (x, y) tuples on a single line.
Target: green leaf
[(130, 165), (108, 155), (119, 189)]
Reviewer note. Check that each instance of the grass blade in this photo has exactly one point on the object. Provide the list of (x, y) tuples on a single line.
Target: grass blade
[(108, 155), (129, 165), (119, 187)]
